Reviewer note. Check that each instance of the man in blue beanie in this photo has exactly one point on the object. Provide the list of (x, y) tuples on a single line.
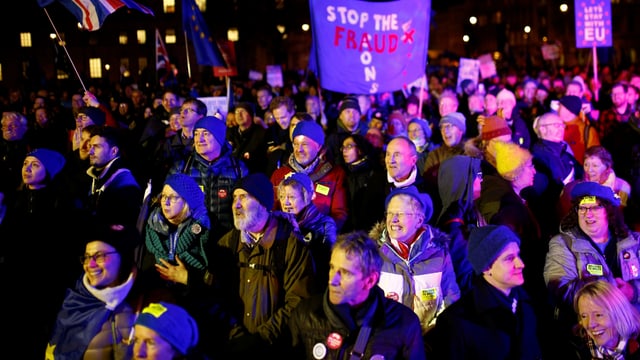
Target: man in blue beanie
[(329, 180), (495, 319), (212, 165), (164, 331)]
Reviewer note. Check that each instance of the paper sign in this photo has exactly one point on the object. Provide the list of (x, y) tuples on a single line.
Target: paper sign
[(593, 23)]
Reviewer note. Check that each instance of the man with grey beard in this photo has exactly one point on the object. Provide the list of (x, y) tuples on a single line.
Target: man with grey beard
[(273, 270)]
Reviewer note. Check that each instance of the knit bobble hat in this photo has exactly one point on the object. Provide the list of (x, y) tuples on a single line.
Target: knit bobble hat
[(349, 102), (456, 119), (486, 243), (310, 129), (215, 126), (572, 103), (97, 116), (172, 323), (493, 127), (590, 188), (52, 160), (510, 159), (259, 186), (187, 188), (423, 198)]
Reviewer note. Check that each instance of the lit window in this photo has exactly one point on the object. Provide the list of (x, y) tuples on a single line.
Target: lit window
[(141, 35), (95, 68), (170, 36), (25, 39)]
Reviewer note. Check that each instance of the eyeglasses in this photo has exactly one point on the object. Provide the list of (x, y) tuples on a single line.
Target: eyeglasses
[(556, 125), (347, 147), (186, 110), (97, 257), (583, 210), (172, 198), (401, 215)]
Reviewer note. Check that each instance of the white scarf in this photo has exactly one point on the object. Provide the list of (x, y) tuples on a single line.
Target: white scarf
[(111, 296)]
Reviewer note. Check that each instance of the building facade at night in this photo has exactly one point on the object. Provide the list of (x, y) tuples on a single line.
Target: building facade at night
[(271, 33)]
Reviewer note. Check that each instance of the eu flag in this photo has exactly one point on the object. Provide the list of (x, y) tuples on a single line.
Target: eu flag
[(207, 52)]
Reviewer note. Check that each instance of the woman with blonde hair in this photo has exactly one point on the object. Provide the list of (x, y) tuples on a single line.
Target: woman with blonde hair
[(608, 324)]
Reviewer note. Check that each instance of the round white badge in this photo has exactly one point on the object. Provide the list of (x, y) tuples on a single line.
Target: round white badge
[(319, 351)]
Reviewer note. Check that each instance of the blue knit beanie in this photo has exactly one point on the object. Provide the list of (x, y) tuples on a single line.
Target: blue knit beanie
[(172, 323), (259, 186), (303, 179), (96, 115), (456, 119), (215, 126), (187, 188), (423, 198), (52, 160), (486, 243), (590, 188), (310, 129)]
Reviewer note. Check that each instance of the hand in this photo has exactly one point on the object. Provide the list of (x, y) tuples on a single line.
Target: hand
[(481, 120), (90, 99), (176, 273), (626, 288)]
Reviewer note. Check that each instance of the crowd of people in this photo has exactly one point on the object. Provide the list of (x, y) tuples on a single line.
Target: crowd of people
[(495, 222)]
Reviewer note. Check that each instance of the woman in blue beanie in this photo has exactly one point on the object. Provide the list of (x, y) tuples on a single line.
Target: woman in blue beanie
[(177, 233), (39, 221), (495, 319)]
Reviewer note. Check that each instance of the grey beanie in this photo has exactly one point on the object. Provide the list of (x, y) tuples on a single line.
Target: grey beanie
[(456, 119)]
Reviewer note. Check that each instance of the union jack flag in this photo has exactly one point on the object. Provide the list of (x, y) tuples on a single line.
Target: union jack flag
[(162, 56), (92, 13)]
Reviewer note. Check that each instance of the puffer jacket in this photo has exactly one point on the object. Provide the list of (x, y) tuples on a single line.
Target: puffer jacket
[(573, 260), (395, 331), (426, 282), (319, 232)]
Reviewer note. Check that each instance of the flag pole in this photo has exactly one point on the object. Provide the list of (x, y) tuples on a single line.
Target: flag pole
[(155, 45), (596, 85), (65, 49), (186, 47)]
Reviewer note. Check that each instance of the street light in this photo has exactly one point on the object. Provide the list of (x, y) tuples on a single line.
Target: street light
[(233, 35)]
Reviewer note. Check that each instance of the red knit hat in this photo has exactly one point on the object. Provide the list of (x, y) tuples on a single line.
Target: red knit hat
[(493, 127)]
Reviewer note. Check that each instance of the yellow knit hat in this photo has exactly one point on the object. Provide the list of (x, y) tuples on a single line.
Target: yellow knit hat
[(510, 159)]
